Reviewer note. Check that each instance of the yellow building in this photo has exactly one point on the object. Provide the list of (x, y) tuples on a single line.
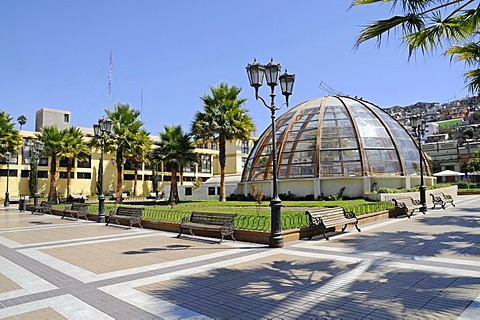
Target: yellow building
[(85, 172)]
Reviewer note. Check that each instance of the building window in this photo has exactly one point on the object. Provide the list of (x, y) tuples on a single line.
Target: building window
[(147, 177), (244, 160), (43, 161), (211, 191), (25, 174), (205, 164), (214, 146), (43, 174), (188, 191), (85, 163), (245, 148), (66, 118), (188, 179), (218, 191), (129, 177), (64, 162), (11, 173), (147, 166), (13, 160), (64, 175), (84, 175)]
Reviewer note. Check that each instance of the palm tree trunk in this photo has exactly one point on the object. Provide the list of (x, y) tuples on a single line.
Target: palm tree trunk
[(135, 181), (69, 173), (52, 194), (222, 159), (119, 190), (174, 186)]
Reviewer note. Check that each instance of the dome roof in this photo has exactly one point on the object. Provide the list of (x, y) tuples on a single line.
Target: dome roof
[(334, 136)]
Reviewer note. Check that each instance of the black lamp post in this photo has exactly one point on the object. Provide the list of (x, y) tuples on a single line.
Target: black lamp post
[(8, 157), (33, 151), (271, 71), (418, 129), (102, 130)]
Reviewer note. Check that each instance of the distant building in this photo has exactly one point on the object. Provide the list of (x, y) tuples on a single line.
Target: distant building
[(49, 117)]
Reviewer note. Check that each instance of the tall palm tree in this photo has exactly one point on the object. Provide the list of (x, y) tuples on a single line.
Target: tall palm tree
[(21, 120), (10, 138), (73, 148), (53, 140), (426, 25), (126, 127), (138, 154), (223, 118), (175, 149)]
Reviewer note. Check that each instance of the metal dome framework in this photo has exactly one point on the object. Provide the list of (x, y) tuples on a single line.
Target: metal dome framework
[(335, 136)]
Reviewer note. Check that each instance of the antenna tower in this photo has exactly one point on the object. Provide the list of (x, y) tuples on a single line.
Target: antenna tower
[(329, 90)]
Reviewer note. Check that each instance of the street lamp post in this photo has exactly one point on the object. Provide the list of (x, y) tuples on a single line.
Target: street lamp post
[(418, 129), (101, 130), (33, 151), (271, 71), (8, 157)]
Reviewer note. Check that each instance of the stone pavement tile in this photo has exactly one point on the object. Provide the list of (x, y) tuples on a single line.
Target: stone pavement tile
[(34, 222), (7, 285), (40, 314), (59, 232), (122, 254)]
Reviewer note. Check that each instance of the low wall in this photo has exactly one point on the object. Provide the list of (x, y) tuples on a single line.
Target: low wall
[(387, 197), (261, 237)]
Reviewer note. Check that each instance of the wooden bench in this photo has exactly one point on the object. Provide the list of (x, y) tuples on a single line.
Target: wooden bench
[(406, 205), (210, 221), (76, 211), (132, 214), (325, 218), (441, 199), (43, 207)]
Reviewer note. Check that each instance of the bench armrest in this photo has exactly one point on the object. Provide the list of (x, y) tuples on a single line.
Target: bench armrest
[(350, 215)]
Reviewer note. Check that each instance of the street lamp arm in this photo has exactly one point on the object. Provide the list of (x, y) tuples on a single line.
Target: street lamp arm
[(271, 107)]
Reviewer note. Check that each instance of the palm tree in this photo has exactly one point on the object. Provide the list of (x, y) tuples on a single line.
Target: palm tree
[(155, 161), (53, 140), (224, 118), (73, 148), (138, 154), (21, 120), (424, 27), (10, 138), (126, 127), (175, 149)]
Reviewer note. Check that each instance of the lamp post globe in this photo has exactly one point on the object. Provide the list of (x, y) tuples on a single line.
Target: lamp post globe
[(271, 71)]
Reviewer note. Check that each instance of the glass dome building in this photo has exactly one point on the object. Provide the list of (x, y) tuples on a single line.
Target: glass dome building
[(336, 138)]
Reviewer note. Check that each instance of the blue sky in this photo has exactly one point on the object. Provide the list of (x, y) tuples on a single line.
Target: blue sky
[(55, 54)]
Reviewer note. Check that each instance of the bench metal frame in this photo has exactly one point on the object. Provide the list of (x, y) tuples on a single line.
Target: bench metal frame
[(76, 210), (43, 207), (404, 205), (209, 221), (325, 218), (441, 199), (133, 215)]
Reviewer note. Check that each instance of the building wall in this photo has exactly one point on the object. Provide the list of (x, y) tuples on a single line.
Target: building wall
[(50, 117)]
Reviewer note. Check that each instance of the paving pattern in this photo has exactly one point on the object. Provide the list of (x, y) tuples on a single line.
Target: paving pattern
[(426, 267)]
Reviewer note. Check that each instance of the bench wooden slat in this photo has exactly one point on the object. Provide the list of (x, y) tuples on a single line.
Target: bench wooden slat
[(406, 205), (132, 214), (210, 221), (76, 210), (441, 199), (43, 207), (325, 218)]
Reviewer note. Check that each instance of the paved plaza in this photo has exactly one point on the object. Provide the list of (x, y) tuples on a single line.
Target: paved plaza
[(426, 267)]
